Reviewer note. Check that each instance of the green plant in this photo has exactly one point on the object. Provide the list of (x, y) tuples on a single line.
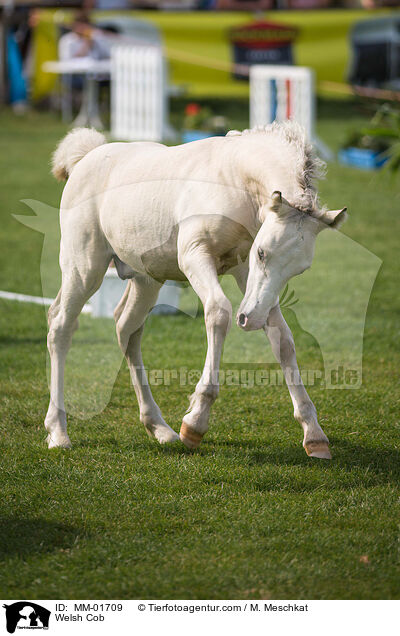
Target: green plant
[(385, 127), (196, 117), (359, 139)]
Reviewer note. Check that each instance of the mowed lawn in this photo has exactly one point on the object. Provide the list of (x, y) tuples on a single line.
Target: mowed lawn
[(248, 515)]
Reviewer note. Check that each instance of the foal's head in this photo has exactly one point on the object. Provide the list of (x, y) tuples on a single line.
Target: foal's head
[(283, 248)]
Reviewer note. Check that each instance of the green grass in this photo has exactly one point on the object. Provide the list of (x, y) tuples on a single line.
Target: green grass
[(248, 515)]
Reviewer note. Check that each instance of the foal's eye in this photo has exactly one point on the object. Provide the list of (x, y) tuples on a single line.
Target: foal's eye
[(261, 254)]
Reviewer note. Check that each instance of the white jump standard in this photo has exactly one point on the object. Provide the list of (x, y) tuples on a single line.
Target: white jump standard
[(278, 93), (244, 204)]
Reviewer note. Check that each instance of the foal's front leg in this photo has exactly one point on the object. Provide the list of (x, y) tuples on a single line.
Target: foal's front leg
[(200, 270), (315, 441)]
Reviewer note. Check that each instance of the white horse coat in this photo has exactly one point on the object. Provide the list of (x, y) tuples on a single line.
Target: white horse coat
[(189, 212)]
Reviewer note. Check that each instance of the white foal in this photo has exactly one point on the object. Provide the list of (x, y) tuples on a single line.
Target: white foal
[(187, 213)]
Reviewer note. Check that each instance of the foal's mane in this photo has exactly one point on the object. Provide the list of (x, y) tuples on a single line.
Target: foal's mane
[(309, 167)]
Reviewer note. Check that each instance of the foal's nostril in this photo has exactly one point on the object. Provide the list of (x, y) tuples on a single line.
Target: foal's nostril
[(242, 320)]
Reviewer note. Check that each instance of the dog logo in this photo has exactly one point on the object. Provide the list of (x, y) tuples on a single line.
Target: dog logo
[(26, 615)]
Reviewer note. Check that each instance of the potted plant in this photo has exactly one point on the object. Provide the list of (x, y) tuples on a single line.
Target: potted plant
[(379, 143), (364, 151), (385, 126)]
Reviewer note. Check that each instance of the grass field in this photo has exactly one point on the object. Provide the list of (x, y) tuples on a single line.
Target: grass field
[(248, 515)]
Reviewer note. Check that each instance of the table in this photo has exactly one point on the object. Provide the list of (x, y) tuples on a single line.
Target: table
[(92, 70)]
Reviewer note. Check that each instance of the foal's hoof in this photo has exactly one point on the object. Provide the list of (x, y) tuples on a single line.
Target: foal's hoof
[(164, 435), (161, 432), (190, 437), (318, 449), (58, 441)]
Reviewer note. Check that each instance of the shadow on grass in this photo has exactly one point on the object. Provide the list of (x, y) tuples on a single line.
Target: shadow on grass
[(6, 341), (381, 465), (384, 462), (30, 536)]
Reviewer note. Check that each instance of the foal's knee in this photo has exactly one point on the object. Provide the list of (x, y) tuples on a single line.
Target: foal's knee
[(52, 313), (60, 331), (218, 313)]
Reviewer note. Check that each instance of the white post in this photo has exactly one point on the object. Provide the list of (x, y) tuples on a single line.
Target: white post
[(138, 93)]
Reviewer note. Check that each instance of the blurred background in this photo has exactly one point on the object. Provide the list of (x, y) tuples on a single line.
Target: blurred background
[(56, 56)]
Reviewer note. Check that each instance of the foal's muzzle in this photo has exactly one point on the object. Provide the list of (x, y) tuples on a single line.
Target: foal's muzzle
[(251, 321)]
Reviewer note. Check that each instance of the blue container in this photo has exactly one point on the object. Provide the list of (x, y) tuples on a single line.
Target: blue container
[(195, 135), (362, 158)]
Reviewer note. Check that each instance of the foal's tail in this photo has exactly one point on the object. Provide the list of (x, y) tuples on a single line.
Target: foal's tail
[(72, 149)]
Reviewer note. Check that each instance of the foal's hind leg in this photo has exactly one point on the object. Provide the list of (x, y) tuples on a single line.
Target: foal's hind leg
[(77, 286), (130, 315)]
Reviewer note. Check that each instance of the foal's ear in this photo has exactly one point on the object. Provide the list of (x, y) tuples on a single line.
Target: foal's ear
[(276, 196), (278, 201), (334, 218)]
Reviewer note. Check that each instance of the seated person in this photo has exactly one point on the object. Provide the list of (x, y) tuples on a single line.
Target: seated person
[(78, 42), (87, 43), (84, 40)]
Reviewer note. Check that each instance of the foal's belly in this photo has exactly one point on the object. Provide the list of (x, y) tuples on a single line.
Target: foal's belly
[(142, 236)]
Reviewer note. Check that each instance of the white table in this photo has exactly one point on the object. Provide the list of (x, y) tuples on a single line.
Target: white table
[(91, 70)]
